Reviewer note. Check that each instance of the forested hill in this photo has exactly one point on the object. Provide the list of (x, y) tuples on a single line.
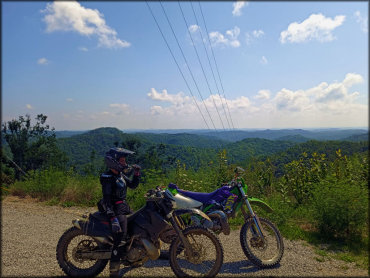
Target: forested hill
[(79, 148), (183, 139), (328, 148), (191, 149), (150, 148), (319, 134), (246, 149)]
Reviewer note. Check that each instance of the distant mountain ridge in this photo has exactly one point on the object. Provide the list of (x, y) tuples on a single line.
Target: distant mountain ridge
[(294, 135), (326, 134), (183, 139)]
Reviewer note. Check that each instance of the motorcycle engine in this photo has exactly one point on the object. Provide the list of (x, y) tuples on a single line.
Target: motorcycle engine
[(216, 223), (137, 253), (168, 235)]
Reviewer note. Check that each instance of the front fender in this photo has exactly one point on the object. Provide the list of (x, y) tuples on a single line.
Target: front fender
[(260, 203), (192, 211)]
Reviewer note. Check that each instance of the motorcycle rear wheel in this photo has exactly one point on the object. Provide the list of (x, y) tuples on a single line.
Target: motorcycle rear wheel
[(264, 254), (67, 254), (208, 254)]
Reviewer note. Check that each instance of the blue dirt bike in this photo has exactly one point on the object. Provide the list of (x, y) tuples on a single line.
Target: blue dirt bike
[(259, 238)]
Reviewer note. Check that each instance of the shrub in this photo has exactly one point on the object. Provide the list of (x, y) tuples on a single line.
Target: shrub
[(340, 208)]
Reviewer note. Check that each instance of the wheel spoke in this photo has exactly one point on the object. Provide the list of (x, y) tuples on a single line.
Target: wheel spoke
[(266, 251), (206, 258)]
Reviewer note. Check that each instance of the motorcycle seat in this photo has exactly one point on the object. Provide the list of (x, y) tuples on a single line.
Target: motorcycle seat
[(100, 216), (200, 196), (104, 218)]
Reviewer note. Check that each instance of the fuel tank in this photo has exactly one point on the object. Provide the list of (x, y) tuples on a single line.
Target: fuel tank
[(185, 202)]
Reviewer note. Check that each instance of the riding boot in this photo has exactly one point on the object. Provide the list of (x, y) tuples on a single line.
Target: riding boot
[(114, 269), (115, 257)]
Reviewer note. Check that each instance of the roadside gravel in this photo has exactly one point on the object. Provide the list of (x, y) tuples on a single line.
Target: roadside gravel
[(30, 232)]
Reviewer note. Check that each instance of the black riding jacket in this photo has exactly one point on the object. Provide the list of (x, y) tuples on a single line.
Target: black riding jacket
[(114, 189)]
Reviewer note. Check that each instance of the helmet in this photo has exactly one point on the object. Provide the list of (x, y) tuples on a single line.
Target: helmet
[(112, 158)]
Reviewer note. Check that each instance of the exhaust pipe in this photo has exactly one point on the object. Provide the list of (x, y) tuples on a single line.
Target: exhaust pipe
[(153, 252)]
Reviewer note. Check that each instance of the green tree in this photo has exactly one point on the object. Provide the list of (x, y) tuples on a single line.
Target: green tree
[(32, 146)]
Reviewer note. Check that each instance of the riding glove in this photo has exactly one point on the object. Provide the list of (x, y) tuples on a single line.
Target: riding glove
[(116, 228)]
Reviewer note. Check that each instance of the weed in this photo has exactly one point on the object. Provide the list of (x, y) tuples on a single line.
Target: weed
[(320, 259)]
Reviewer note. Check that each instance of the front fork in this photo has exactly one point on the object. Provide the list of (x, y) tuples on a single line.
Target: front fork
[(251, 214), (179, 226)]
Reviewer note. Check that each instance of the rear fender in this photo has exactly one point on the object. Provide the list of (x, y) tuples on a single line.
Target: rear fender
[(260, 203), (79, 224)]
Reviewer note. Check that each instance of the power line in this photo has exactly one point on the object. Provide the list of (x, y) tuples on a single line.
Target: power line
[(191, 37), (16, 165), (186, 62), (209, 62), (173, 56), (216, 65)]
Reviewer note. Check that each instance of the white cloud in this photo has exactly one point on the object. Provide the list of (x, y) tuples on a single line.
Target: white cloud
[(71, 16), (122, 109), (231, 38), (178, 99), (327, 104), (263, 60), (334, 97), (194, 28), (363, 21), (263, 94), (29, 106), (315, 27), (122, 106), (251, 36), (156, 110), (237, 7), (69, 99), (258, 33), (351, 79), (338, 92), (42, 61), (83, 49), (292, 101)]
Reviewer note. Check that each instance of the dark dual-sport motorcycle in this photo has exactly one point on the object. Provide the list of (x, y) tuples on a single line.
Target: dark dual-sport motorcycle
[(85, 249), (259, 238)]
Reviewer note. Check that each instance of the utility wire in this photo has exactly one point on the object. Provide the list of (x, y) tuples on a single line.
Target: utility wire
[(186, 62), (173, 56), (216, 65), (16, 165), (191, 37), (209, 62)]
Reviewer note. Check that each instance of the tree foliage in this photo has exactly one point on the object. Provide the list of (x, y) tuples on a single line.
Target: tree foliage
[(32, 146)]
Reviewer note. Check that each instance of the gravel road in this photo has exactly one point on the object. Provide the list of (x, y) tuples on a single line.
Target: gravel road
[(30, 232)]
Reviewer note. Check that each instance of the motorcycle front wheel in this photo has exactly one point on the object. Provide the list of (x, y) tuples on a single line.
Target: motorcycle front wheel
[(70, 245), (266, 252), (207, 257)]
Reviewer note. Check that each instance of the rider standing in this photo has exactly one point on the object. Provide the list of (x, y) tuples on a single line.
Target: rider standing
[(114, 186)]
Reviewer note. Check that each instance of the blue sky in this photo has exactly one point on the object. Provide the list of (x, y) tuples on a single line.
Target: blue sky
[(93, 64)]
